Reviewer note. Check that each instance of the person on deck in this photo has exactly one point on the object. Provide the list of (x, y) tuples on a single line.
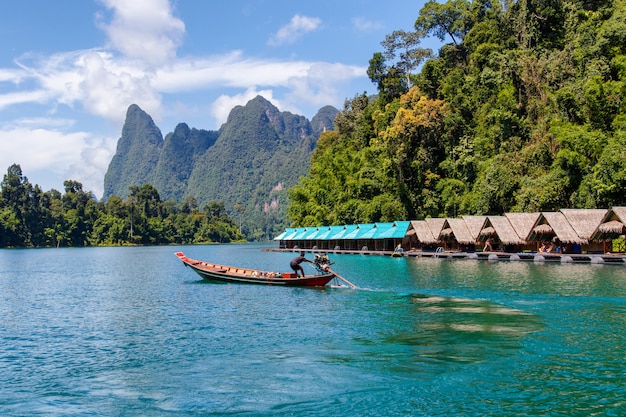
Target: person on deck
[(296, 262), (399, 248), (488, 247)]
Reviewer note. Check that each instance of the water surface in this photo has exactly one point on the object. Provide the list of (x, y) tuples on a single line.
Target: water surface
[(132, 332)]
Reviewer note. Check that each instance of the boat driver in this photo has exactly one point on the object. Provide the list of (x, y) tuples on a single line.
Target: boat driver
[(296, 262)]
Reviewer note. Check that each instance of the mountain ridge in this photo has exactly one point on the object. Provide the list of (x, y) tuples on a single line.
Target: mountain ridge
[(247, 164)]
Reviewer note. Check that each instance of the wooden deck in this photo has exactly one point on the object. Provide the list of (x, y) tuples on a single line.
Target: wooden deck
[(595, 258)]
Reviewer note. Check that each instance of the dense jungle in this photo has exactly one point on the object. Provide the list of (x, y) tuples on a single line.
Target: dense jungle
[(522, 109), (30, 217)]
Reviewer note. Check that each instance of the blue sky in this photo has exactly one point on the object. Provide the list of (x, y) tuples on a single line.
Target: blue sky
[(69, 69)]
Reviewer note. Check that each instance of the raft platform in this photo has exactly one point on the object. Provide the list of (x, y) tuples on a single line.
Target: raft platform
[(593, 258)]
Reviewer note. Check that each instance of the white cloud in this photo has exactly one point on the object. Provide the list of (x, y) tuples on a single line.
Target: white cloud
[(95, 156), (60, 155), (12, 75), (144, 30), (105, 85), (103, 82), (107, 89), (221, 107), (36, 96), (230, 70), (365, 25), (305, 83), (296, 28)]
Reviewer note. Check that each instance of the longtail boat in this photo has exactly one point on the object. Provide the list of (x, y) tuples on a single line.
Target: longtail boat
[(216, 272)]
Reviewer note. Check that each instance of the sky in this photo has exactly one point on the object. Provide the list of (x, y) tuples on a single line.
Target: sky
[(69, 69)]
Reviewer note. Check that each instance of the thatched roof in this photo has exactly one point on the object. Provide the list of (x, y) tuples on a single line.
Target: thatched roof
[(435, 225), (522, 223), (460, 231), (584, 222), (475, 224), (559, 224), (620, 212), (543, 229), (612, 225), (505, 231), (422, 232), (488, 231)]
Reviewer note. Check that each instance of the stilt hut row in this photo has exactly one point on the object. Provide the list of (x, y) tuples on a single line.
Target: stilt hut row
[(563, 231)]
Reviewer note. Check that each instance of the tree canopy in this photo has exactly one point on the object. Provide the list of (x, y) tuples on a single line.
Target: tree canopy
[(523, 109), (30, 217)]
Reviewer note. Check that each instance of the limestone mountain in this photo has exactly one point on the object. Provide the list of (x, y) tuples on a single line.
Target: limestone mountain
[(248, 164), (137, 154)]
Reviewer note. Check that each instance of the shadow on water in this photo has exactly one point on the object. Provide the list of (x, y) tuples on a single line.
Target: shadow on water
[(422, 333), (466, 330)]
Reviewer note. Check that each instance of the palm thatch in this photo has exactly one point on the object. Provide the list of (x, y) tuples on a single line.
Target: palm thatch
[(504, 230), (543, 229), (620, 212), (460, 231), (435, 225), (488, 231), (475, 225), (422, 232), (583, 221), (612, 226), (522, 223), (563, 231)]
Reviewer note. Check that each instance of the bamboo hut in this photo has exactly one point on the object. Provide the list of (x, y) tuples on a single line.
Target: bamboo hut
[(456, 235), (420, 236), (612, 226), (585, 222), (500, 230), (552, 226), (435, 224), (522, 223), (475, 224)]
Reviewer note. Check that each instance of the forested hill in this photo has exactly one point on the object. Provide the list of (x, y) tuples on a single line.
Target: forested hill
[(248, 164), (522, 109)]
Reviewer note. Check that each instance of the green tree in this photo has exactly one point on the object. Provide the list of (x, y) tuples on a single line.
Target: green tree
[(441, 20)]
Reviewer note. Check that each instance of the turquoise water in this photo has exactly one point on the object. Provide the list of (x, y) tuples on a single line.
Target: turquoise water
[(132, 332)]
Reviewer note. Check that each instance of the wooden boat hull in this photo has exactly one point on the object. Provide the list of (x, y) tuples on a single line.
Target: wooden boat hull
[(216, 272)]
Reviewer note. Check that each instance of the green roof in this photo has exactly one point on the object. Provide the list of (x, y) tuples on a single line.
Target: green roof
[(301, 233), (370, 231), (397, 230), (343, 231), (383, 230), (359, 231), (284, 235), (324, 233), (314, 233)]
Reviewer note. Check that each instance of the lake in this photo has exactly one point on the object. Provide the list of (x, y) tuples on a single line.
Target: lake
[(132, 332)]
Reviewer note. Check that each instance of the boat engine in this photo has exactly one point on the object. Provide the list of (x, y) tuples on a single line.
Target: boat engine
[(322, 263)]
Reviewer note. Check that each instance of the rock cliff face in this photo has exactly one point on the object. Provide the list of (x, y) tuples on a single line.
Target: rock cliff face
[(249, 163), (137, 155)]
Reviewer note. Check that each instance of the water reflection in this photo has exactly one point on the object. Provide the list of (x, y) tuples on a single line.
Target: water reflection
[(521, 277), (462, 330)]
